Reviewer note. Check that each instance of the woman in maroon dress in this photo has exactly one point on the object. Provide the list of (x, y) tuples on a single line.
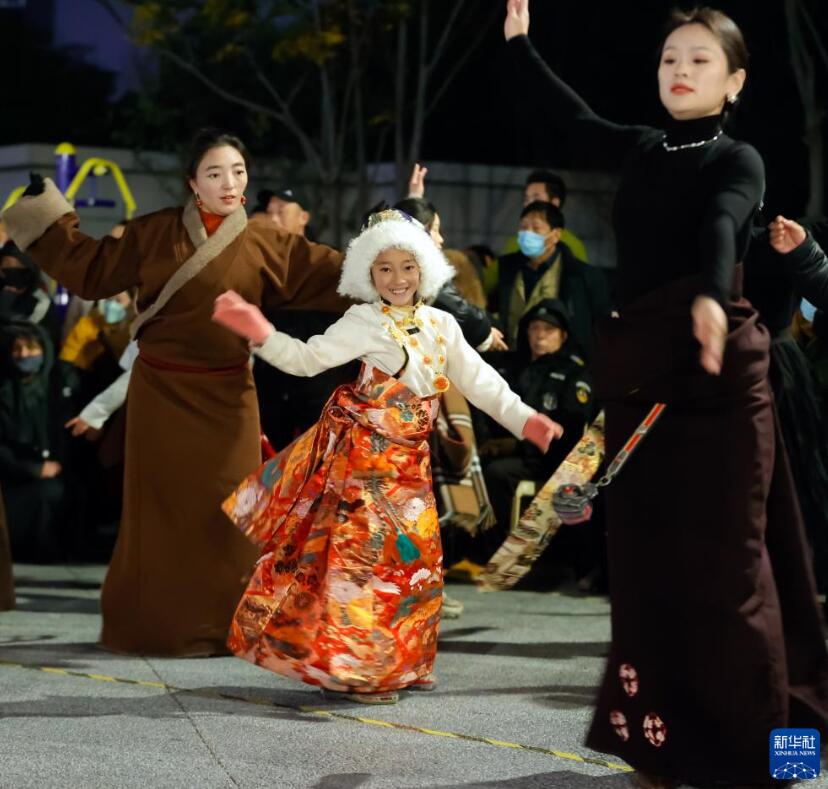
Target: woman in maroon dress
[(716, 636)]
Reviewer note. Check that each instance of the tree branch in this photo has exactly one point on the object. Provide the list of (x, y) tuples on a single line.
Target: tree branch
[(445, 83), (439, 48), (254, 106), (110, 9)]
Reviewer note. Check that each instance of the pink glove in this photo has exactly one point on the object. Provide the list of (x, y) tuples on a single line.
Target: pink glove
[(241, 317), (540, 430)]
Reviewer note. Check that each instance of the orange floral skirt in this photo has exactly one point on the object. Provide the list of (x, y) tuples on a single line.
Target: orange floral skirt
[(348, 589)]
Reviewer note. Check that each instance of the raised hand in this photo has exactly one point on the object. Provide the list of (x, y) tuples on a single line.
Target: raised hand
[(710, 329), (35, 186), (541, 431), (517, 19), (786, 235), (233, 312), (416, 184)]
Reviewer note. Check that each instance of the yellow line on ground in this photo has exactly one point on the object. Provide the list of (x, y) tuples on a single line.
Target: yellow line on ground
[(438, 733), (502, 744), (324, 713)]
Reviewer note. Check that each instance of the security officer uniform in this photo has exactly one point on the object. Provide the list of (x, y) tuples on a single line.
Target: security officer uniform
[(555, 384)]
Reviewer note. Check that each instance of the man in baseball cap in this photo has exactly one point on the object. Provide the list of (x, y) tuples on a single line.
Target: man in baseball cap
[(286, 207)]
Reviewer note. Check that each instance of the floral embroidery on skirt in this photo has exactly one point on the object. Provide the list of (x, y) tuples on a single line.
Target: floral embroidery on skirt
[(348, 589)]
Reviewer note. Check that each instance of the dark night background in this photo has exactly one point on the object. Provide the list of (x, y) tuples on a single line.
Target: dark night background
[(605, 50)]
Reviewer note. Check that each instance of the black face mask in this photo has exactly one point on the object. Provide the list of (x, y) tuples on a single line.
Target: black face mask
[(21, 278)]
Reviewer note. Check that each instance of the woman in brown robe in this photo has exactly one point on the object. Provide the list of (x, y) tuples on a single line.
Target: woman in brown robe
[(179, 566)]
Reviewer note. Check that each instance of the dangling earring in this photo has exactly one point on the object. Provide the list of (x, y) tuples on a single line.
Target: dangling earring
[(243, 200), (198, 200)]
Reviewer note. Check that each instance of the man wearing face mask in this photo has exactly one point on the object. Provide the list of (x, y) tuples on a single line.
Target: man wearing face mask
[(548, 187), (30, 477), (546, 269)]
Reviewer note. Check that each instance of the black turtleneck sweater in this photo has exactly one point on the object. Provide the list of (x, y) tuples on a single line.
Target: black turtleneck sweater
[(677, 213)]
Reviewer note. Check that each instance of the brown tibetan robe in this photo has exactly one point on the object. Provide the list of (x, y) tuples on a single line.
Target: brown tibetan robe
[(179, 565)]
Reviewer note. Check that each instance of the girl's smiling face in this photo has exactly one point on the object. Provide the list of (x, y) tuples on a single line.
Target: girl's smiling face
[(396, 276)]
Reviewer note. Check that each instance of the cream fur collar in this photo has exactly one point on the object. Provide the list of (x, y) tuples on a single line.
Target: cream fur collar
[(356, 282)]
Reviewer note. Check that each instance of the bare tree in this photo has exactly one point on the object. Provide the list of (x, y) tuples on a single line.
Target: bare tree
[(315, 69), (438, 60)]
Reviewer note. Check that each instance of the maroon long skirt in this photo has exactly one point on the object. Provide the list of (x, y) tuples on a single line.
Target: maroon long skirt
[(716, 634)]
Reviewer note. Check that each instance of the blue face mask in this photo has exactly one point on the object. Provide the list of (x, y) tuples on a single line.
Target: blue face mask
[(112, 311), (808, 310), (531, 244), (29, 365)]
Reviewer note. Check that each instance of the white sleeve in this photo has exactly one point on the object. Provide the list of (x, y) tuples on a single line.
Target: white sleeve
[(347, 339), (480, 383), (107, 402), (129, 355)]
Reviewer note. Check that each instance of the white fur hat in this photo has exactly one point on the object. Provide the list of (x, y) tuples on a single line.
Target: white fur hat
[(392, 229)]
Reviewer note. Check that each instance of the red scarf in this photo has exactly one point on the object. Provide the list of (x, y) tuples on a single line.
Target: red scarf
[(211, 221)]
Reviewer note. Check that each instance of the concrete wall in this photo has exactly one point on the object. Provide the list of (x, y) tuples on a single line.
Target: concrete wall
[(477, 203)]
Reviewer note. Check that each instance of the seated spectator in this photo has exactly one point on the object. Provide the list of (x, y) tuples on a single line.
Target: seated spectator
[(547, 187), (23, 295), (545, 269), (287, 208), (550, 378), (31, 477)]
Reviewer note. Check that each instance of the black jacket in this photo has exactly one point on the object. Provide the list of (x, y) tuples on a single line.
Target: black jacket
[(474, 322), (558, 385), (583, 290), (27, 430)]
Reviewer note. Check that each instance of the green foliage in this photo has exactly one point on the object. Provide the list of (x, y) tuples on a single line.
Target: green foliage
[(314, 46)]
